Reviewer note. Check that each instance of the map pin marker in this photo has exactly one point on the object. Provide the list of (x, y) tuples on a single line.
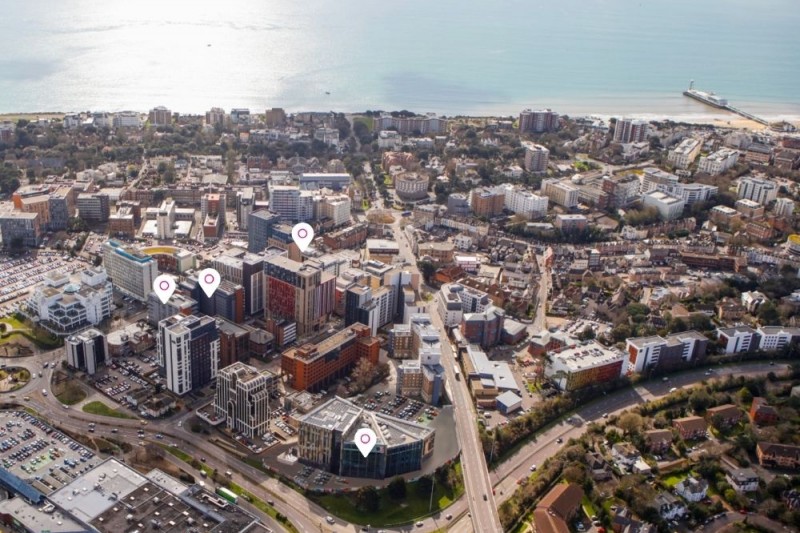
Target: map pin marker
[(365, 440), (164, 286), (302, 234), (209, 281)]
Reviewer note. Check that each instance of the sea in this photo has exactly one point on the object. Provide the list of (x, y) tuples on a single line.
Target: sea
[(465, 57)]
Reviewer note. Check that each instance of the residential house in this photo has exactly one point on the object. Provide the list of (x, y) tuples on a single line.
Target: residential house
[(692, 489), (773, 455), (669, 507), (762, 413), (597, 466), (743, 479), (625, 455), (691, 427), (556, 510), (624, 522), (722, 416), (730, 309), (658, 440)]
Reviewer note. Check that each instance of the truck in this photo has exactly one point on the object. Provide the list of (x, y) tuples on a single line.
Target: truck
[(458, 373), (228, 495)]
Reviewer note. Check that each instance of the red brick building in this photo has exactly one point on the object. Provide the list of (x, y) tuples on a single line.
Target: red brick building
[(761, 413), (313, 367)]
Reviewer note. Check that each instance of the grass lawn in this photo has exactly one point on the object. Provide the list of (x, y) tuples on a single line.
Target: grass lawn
[(99, 408), (13, 322), (72, 394), (392, 512), (588, 508), (673, 479)]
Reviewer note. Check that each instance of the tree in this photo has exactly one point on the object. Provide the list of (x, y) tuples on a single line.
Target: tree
[(424, 485), (368, 499), (427, 269), (768, 314), (586, 334), (630, 423), (397, 488), (700, 400), (744, 396)]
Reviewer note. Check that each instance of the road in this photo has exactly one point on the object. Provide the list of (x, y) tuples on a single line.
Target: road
[(482, 506), (540, 319)]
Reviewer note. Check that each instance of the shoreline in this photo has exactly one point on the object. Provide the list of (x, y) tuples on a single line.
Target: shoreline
[(733, 121)]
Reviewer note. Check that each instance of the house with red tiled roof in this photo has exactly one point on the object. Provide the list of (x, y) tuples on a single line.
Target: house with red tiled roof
[(557, 508), (727, 415), (691, 427), (762, 413)]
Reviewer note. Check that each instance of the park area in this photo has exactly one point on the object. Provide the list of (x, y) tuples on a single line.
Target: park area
[(13, 378)]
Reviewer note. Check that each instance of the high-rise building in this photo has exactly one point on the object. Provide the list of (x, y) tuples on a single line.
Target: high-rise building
[(539, 121), (757, 189), (243, 398), (62, 208), (131, 271), (424, 125), (246, 270), (784, 207), (86, 351), (313, 367), (523, 202), (178, 304), (536, 157), (188, 351), (93, 207), (20, 229), (245, 200), (372, 308), (299, 292), (160, 116), (487, 202), (629, 130), (65, 307), (216, 117), (259, 229), (291, 203)]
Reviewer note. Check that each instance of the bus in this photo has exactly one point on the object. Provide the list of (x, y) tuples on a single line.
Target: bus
[(228, 495)]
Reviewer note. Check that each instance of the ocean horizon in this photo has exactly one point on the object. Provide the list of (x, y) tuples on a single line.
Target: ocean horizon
[(577, 57)]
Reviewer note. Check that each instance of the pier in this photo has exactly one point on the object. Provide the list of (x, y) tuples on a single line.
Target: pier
[(746, 115)]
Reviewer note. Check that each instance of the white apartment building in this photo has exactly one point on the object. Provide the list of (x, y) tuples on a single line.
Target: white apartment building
[(784, 207), (63, 307), (719, 161), (131, 271), (522, 202), (685, 153), (127, 119), (291, 203), (776, 337), (738, 339), (757, 189), (188, 350), (454, 299), (336, 208), (654, 178), (560, 192), (669, 207), (243, 398), (690, 192), (165, 220)]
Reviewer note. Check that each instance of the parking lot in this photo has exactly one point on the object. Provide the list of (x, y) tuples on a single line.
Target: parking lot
[(397, 406), (17, 276), (125, 374), (32, 450)]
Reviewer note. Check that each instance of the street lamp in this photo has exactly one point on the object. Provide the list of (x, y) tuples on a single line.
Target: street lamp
[(430, 504)]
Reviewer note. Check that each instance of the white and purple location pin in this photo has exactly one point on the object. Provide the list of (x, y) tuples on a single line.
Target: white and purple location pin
[(164, 286), (209, 281), (302, 234), (365, 440)]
